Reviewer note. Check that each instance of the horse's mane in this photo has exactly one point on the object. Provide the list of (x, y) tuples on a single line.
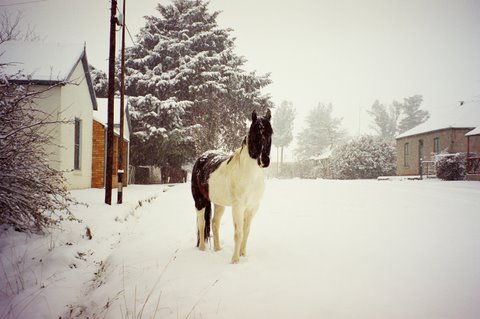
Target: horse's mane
[(236, 154)]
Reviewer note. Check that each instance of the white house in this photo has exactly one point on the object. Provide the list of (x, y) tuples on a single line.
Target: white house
[(63, 68)]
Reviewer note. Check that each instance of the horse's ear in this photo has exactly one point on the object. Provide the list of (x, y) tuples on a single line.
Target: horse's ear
[(268, 115), (254, 116)]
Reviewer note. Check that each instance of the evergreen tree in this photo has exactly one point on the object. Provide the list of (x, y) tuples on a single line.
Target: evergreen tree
[(322, 131), (398, 117), (282, 123), (385, 119), (100, 82), (412, 115), (188, 92)]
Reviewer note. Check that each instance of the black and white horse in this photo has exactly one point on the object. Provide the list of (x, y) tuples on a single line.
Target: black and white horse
[(235, 180)]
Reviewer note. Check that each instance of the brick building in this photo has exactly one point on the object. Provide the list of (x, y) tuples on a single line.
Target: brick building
[(99, 149), (445, 132)]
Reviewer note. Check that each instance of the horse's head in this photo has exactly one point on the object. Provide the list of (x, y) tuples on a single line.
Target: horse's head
[(260, 138)]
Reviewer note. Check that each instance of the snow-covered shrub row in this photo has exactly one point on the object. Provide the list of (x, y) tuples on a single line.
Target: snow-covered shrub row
[(450, 166), (364, 157), (32, 194)]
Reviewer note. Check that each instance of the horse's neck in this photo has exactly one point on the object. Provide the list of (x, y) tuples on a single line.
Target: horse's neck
[(246, 163)]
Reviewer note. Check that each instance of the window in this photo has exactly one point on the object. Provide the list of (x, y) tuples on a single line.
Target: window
[(406, 155), (76, 155), (436, 145)]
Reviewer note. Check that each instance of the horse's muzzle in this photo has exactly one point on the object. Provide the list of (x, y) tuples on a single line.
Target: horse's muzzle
[(264, 161)]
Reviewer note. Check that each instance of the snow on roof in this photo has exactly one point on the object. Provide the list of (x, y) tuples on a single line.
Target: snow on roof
[(462, 116), (101, 114), (474, 132), (40, 61), (325, 155)]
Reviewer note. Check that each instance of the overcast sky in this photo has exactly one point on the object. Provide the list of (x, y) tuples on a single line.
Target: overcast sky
[(345, 52)]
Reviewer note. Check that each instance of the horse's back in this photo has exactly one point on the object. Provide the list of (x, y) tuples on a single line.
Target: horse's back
[(205, 165), (232, 185)]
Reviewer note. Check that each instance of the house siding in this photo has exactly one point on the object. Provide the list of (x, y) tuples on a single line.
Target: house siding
[(49, 102), (77, 103), (451, 140), (66, 103), (98, 155), (98, 162)]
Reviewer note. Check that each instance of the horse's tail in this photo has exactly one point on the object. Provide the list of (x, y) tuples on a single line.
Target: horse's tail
[(208, 220), (208, 223)]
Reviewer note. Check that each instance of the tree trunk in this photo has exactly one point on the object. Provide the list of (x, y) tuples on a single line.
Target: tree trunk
[(281, 159), (277, 163)]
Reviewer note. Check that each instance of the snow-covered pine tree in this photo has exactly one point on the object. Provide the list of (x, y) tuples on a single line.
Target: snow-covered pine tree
[(282, 124), (322, 131), (100, 81), (188, 92)]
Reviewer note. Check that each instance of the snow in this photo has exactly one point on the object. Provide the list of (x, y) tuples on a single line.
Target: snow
[(463, 116), (473, 132), (40, 61), (317, 248)]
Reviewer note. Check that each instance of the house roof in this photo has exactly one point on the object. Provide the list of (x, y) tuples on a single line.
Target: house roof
[(28, 62), (100, 115), (473, 132), (327, 153), (466, 115)]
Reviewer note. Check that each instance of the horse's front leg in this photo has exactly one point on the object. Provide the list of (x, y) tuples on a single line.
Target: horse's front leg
[(238, 221), (219, 210), (246, 230)]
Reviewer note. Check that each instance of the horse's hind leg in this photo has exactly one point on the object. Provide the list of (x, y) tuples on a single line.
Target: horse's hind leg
[(219, 210), (201, 228)]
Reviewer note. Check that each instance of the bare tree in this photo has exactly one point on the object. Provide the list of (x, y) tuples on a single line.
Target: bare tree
[(33, 195), (11, 29)]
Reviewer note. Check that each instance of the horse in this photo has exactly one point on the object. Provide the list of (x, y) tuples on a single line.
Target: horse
[(235, 180)]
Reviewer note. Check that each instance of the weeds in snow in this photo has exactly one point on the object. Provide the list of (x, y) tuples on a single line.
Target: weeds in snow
[(133, 314)]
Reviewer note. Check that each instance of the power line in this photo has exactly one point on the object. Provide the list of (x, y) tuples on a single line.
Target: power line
[(20, 3), (128, 30)]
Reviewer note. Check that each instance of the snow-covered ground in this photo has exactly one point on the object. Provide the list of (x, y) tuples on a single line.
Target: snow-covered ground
[(317, 249)]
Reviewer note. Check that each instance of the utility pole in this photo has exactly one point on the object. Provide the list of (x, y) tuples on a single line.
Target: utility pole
[(111, 92), (122, 111)]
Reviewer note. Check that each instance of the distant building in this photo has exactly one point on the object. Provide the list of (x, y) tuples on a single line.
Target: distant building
[(451, 130)]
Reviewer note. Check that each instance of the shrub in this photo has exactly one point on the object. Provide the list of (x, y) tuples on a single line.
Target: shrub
[(450, 166), (364, 157), (33, 195)]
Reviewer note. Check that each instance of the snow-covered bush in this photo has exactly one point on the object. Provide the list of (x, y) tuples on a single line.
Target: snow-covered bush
[(32, 194), (364, 157), (450, 166)]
